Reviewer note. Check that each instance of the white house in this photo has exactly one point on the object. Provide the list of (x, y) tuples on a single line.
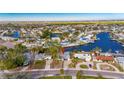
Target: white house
[(84, 56), (66, 56), (6, 38), (120, 61), (56, 39), (42, 56)]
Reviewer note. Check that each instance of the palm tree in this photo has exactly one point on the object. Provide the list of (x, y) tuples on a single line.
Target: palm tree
[(20, 48), (53, 50)]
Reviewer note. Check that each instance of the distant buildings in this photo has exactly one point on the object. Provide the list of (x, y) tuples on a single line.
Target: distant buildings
[(56, 39)]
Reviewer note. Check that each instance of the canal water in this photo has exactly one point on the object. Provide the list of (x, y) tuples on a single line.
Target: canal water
[(104, 42)]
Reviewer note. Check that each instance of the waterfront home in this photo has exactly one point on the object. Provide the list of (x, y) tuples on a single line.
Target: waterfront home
[(120, 36), (86, 39), (120, 61), (64, 42), (83, 39), (103, 58), (89, 36), (66, 56), (7, 38), (56, 39), (85, 56), (55, 36)]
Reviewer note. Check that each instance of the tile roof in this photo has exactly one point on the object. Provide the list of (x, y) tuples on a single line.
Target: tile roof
[(105, 58)]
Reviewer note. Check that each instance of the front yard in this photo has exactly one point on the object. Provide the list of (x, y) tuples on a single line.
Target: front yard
[(39, 64), (84, 66), (56, 64), (91, 77)]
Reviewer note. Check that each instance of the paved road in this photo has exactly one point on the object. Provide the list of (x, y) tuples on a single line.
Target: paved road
[(39, 73)]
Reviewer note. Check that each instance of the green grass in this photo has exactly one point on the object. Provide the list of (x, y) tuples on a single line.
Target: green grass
[(83, 66), (57, 77), (76, 60), (70, 77), (39, 64), (91, 77), (95, 22)]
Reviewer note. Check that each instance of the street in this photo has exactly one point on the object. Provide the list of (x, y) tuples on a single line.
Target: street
[(37, 73)]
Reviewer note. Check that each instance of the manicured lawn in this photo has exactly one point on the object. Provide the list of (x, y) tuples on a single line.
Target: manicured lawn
[(92, 77), (84, 66), (70, 77), (72, 65), (57, 77), (39, 64), (76, 60), (56, 64)]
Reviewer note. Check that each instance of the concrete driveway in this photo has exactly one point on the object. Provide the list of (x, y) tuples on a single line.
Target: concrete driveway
[(99, 64)]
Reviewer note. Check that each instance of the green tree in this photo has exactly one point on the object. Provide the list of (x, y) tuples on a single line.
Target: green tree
[(14, 58), (66, 34), (53, 50), (3, 49), (20, 48), (46, 34)]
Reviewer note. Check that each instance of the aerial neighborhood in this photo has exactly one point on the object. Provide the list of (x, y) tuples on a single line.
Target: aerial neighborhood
[(62, 46)]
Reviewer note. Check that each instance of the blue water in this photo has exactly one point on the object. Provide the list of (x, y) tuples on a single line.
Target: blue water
[(104, 42), (16, 34), (55, 35)]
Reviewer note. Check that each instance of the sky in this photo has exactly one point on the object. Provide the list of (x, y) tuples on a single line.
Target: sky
[(60, 16)]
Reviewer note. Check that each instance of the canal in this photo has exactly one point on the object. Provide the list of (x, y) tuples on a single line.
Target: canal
[(104, 42)]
